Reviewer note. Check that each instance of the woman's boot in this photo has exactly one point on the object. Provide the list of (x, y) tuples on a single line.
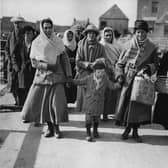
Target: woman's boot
[(95, 130), (126, 132), (57, 131), (50, 130), (135, 135), (88, 132)]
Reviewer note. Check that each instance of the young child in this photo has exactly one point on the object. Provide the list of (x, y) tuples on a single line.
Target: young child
[(95, 85)]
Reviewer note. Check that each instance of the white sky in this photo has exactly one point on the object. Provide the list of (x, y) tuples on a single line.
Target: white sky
[(62, 12)]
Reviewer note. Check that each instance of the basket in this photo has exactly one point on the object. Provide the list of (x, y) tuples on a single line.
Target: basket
[(161, 84), (143, 91)]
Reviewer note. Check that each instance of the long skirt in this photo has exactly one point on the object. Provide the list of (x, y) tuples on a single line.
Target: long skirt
[(110, 101), (45, 103), (160, 111), (80, 98), (131, 112)]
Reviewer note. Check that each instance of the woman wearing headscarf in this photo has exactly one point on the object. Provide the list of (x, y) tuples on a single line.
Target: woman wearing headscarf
[(160, 111), (70, 48), (139, 58), (46, 101), (89, 49), (113, 51)]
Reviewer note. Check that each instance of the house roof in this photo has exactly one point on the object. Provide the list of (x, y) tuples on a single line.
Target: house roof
[(114, 13), (163, 18)]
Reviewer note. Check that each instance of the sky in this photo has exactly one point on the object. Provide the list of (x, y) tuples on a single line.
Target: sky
[(62, 12)]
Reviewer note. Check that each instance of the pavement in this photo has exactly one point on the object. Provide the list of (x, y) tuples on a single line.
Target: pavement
[(23, 145)]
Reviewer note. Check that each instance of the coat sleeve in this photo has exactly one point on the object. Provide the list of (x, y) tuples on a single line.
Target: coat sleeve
[(65, 62), (154, 64), (80, 60), (82, 81)]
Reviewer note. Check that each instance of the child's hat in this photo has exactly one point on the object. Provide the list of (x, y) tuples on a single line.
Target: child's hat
[(99, 64)]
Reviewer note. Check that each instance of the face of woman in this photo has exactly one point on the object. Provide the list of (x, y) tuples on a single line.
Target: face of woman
[(47, 28), (141, 34), (91, 36), (108, 36), (70, 36)]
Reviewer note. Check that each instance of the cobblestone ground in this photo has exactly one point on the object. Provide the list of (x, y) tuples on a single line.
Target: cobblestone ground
[(23, 145)]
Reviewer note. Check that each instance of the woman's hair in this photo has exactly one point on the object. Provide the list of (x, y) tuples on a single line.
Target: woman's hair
[(48, 20), (28, 29)]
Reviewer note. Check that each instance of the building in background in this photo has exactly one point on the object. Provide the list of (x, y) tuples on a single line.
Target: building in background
[(114, 18), (155, 12)]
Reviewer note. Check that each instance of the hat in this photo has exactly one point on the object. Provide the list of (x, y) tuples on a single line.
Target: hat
[(99, 64), (141, 24), (91, 28), (17, 19), (28, 29)]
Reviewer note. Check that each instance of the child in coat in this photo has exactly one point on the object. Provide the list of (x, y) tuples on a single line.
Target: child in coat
[(95, 85)]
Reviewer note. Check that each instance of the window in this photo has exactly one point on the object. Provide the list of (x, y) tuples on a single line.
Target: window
[(155, 6), (166, 30)]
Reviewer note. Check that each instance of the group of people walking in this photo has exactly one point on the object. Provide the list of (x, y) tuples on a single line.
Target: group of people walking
[(48, 72)]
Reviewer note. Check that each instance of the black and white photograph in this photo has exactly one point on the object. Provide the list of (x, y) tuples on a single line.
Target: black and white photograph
[(83, 83)]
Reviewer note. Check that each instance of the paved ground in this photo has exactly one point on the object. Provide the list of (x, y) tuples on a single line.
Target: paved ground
[(23, 145)]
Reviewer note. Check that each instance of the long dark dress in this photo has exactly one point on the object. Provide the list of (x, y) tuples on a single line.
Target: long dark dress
[(128, 111), (71, 92), (160, 111)]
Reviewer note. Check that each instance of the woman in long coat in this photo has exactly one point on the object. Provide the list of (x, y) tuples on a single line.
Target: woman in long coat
[(160, 111), (113, 51), (70, 48), (46, 101), (141, 58), (89, 49)]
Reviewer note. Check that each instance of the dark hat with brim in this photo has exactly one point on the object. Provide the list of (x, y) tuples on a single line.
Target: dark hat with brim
[(141, 24), (91, 28), (99, 64)]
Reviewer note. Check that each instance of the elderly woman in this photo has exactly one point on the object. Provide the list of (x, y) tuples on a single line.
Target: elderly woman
[(113, 51), (89, 49), (46, 101), (140, 58), (70, 48)]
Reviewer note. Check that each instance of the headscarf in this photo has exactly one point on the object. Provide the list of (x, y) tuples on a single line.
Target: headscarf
[(70, 44), (112, 50), (46, 49)]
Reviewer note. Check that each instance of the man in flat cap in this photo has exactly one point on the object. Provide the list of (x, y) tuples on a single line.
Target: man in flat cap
[(14, 38)]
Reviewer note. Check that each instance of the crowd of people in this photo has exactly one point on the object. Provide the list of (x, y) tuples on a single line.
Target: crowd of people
[(89, 68)]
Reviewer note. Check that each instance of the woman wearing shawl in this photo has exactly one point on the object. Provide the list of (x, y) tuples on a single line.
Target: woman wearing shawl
[(113, 51), (46, 101), (89, 49), (70, 48), (140, 58)]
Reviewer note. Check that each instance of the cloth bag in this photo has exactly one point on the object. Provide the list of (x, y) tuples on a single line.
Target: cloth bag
[(143, 91)]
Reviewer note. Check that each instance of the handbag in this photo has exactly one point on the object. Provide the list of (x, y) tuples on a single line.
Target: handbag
[(143, 91)]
